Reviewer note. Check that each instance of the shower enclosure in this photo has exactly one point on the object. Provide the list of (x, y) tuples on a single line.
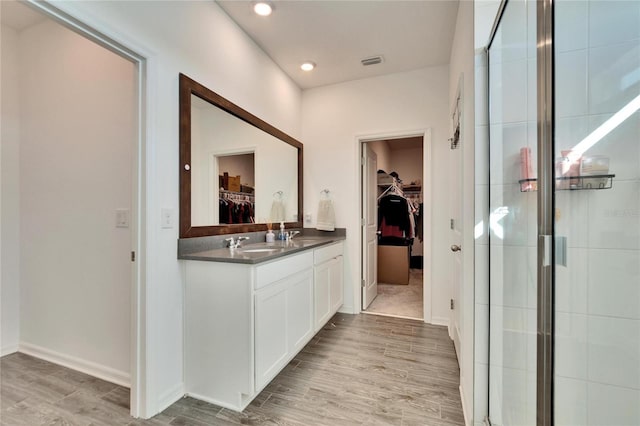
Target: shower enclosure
[(564, 213)]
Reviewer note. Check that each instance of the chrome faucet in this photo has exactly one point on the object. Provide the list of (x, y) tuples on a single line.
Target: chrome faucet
[(292, 234), (233, 244)]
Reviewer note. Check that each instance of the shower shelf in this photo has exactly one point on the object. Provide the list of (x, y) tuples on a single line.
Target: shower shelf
[(571, 183)]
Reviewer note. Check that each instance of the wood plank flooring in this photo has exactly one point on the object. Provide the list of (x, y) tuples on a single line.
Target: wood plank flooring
[(358, 370)]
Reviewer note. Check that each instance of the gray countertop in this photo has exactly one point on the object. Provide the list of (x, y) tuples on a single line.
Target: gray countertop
[(262, 252)]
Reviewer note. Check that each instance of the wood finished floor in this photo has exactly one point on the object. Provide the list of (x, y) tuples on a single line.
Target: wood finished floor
[(358, 370)]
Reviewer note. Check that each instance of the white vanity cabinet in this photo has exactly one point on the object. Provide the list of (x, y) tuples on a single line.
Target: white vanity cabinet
[(245, 322)]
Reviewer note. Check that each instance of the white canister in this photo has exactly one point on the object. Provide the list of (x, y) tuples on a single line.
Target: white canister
[(270, 236)]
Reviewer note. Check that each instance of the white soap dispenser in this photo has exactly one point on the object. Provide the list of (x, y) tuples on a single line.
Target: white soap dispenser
[(270, 236)]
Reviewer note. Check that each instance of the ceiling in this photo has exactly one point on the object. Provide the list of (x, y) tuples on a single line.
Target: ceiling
[(18, 16), (336, 35)]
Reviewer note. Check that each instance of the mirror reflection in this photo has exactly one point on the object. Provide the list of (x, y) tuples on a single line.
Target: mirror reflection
[(236, 198), (239, 173)]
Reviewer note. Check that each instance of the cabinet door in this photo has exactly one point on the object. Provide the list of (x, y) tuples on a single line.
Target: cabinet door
[(336, 284), (270, 327), (300, 311), (284, 323), (322, 303)]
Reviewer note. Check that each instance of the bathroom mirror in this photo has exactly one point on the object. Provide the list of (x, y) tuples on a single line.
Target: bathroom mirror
[(237, 172)]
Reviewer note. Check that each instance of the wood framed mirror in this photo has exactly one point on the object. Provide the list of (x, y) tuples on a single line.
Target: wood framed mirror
[(237, 172)]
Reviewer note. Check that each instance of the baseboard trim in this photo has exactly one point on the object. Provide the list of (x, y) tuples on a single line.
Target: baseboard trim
[(380, 314), (8, 350), (464, 406), (91, 368), (440, 321), (169, 397), (216, 402), (347, 310)]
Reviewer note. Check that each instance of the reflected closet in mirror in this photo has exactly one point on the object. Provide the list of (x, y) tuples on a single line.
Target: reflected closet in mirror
[(237, 172)]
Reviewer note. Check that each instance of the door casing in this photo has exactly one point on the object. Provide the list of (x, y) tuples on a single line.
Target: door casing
[(427, 188)]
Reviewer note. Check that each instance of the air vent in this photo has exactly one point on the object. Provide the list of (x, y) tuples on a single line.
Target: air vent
[(372, 60)]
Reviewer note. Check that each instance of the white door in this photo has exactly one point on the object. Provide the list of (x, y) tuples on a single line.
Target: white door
[(455, 209), (369, 226)]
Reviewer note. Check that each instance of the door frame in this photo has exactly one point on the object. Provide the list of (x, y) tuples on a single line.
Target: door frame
[(456, 215), (138, 358), (427, 198)]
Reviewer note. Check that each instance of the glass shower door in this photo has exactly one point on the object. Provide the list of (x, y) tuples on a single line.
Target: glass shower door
[(597, 212), (512, 220)]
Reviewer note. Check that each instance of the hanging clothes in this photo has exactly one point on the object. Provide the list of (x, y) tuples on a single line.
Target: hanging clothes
[(419, 222), (394, 217), (234, 207)]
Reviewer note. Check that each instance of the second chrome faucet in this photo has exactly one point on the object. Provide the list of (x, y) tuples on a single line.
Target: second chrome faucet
[(233, 244)]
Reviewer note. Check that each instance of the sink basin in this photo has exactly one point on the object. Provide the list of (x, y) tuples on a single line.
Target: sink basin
[(259, 250)]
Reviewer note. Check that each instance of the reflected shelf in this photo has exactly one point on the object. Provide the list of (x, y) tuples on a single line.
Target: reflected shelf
[(572, 183)]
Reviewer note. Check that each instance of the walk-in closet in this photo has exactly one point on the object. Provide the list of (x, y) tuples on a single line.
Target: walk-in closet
[(400, 227)]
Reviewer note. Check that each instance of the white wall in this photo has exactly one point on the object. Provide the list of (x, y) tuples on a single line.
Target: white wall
[(78, 131), (242, 165), (200, 40), (462, 70), (484, 12), (381, 148), (332, 119), (10, 215), (407, 163)]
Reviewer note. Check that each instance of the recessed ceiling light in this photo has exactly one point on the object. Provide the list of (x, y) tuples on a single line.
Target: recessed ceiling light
[(307, 66), (263, 8)]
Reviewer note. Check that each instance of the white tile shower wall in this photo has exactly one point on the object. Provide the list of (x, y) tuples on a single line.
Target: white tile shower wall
[(513, 224), (612, 405), (481, 325), (571, 402), (597, 293)]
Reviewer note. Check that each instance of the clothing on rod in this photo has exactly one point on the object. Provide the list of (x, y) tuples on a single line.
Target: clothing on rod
[(395, 217), (234, 211)]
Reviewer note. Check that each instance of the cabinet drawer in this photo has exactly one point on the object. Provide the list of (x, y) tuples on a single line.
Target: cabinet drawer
[(282, 268), (325, 253)]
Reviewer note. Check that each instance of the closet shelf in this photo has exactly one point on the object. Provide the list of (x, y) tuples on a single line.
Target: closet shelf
[(571, 183), (412, 188)]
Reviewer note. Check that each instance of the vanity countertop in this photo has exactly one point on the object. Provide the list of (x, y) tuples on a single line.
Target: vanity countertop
[(262, 252)]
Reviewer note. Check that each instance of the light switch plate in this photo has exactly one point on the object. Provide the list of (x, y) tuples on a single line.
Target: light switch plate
[(166, 221), (122, 218)]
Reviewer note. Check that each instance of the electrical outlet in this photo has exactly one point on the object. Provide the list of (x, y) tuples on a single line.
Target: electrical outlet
[(307, 218), (166, 221)]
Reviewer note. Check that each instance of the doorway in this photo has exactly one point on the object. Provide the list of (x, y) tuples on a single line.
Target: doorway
[(71, 194), (395, 232)]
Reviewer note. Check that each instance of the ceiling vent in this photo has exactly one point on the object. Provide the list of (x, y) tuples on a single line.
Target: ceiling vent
[(373, 60)]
